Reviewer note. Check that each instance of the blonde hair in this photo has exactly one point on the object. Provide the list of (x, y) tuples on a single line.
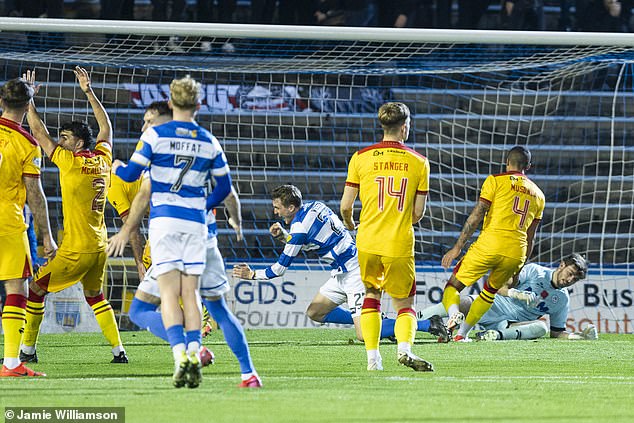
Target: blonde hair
[(185, 92), (393, 115)]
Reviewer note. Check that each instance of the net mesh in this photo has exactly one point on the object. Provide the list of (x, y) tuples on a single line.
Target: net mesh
[(294, 111)]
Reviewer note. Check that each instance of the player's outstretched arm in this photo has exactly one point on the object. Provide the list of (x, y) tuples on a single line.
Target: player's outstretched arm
[(347, 206), (243, 271), (588, 334), (117, 243), (40, 133), (232, 203), (37, 203), (103, 120), (473, 222)]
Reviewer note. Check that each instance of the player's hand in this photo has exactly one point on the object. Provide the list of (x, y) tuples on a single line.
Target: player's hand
[(117, 243), (349, 225), (115, 165), (590, 333), (527, 297), (278, 232), (242, 271), (50, 247), (449, 257), (83, 78), (29, 77), (237, 227)]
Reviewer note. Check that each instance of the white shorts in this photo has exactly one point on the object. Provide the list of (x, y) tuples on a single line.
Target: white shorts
[(149, 284), (213, 282), (345, 287), (177, 250)]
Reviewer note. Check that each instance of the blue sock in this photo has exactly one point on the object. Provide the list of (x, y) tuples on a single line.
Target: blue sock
[(232, 331), (339, 315), (175, 335), (387, 328), (193, 336), (423, 325), (145, 316)]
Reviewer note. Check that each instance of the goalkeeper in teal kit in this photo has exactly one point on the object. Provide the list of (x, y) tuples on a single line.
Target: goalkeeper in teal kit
[(516, 313)]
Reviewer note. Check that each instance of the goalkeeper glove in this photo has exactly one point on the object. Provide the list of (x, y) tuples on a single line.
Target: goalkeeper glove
[(526, 297), (590, 333)]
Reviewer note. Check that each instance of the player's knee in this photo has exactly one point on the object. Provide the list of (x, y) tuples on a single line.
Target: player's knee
[(315, 314), (540, 328)]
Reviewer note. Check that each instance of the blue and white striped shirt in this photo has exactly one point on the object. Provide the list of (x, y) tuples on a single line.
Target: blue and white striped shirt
[(181, 157), (316, 228)]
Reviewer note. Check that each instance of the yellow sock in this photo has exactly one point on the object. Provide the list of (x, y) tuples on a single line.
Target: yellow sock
[(480, 305), (105, 318), (371, 323), (450, 297), (13, 318), (405, 326), (34, 316)]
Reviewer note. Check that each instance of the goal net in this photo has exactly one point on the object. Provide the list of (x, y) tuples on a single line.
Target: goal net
[(291, 105)]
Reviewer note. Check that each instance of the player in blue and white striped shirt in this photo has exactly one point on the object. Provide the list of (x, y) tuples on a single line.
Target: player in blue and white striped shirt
[(315, 227), (181, 156)]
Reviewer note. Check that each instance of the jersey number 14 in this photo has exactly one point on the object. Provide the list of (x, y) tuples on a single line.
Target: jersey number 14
[(386, 186)]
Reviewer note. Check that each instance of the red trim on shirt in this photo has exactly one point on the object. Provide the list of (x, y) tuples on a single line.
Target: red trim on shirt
[(84, 153), (422, 192), (124, 213), (31, 175), (512, 172), (352, 184), (17, 127), (390, 144), (484, 200)]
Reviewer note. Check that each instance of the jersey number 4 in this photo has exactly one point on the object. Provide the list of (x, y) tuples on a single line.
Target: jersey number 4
[(387, 185), (523, 212)]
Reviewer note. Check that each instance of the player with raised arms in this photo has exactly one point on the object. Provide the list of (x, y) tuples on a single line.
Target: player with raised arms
[(84, 171)]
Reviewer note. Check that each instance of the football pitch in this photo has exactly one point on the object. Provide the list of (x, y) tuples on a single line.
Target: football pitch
[(319, 375)]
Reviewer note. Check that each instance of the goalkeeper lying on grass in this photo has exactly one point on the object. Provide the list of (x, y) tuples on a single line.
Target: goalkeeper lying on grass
[(539, 291)]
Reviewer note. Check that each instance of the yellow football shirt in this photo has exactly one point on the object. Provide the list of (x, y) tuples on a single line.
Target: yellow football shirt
[(120, 195), (388, 175), (21, 156), (84, 180), (515, 202)]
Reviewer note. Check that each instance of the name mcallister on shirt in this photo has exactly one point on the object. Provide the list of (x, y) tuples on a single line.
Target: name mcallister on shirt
[(391, 166), (523, 190), (94, 170), (185, 146)]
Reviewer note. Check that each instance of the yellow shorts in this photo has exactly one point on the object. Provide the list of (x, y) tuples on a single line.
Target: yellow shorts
[(394, 275), (476, 263), (15, 257), (67, 268), (147, 257)]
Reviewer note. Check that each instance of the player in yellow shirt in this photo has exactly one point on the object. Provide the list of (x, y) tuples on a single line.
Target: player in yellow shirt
[(392, 181), (511, 206), (84, 169), (20, 182)]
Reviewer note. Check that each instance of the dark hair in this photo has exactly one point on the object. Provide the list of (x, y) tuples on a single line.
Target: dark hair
[(579, 261), (288, 195), (82, 131), (519, 156), (160, 107), (16, 93)]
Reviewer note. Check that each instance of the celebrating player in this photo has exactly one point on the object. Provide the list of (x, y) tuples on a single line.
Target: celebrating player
[(20, 181), (392, 181), (315, 227), (180, 155), (84, 168), (511, 206)]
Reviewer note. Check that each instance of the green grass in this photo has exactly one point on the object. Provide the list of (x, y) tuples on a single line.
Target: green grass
[(319, 376)]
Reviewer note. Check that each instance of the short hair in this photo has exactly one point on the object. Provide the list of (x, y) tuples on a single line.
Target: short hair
[(82, 131), (579, 261), (288, 195), (16, 93), (519, 156), (185, 92), (393, 115), (161, 108)]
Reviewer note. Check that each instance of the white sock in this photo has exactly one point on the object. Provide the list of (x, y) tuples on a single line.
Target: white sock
[(453, 309), (464, 329), (404, 347), (178, 350), (373, 355), (117, 350), (11, 363), (247, 376), (193, 348), (435, 310), (27, 349)]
